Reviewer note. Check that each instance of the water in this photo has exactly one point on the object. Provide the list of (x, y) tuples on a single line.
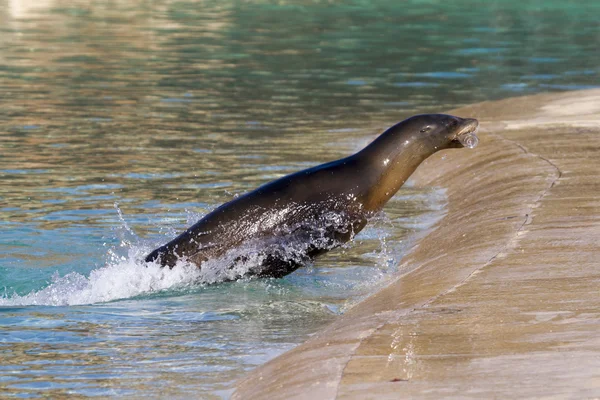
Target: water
[(121, 123)]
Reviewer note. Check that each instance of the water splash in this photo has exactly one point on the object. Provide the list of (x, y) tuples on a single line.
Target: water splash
[(128, 276), (124, 279)]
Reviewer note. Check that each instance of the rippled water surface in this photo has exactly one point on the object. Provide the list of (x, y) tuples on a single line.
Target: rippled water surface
[(123, 122)]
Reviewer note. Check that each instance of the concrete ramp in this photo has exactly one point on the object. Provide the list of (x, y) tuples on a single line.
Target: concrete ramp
[(503, 300)]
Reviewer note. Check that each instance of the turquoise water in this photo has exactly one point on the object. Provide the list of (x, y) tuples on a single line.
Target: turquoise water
[(123, 122)]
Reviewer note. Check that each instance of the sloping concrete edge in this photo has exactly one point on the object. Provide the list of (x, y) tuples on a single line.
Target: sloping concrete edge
[(494, 192)]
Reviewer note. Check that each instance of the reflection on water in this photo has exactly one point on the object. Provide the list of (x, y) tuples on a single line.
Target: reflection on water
[(123, 122)]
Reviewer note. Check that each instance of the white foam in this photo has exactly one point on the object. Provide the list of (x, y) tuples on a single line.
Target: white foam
[(126, 277), (119, 280)]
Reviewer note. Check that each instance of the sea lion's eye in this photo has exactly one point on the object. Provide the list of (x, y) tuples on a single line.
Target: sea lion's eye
[(425, 129)]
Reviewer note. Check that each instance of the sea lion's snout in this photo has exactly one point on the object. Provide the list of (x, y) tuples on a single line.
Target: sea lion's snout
[(465, 133), (468, 125)]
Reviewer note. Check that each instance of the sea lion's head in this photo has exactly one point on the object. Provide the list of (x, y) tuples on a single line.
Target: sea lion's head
[(398, 151), (442, 131), (416, 138)]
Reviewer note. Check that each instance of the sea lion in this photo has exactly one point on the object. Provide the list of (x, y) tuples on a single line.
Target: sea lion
[(297, 217)]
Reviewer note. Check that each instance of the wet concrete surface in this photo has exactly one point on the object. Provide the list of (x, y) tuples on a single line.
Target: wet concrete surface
[(503, 297)]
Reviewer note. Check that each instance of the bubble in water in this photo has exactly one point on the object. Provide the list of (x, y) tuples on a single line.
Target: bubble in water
[(469, 140)]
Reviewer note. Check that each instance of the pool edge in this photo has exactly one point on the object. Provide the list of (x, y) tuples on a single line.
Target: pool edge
[(505, 211)]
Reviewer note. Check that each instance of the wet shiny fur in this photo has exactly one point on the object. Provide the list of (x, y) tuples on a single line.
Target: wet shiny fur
[(307, 213)]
